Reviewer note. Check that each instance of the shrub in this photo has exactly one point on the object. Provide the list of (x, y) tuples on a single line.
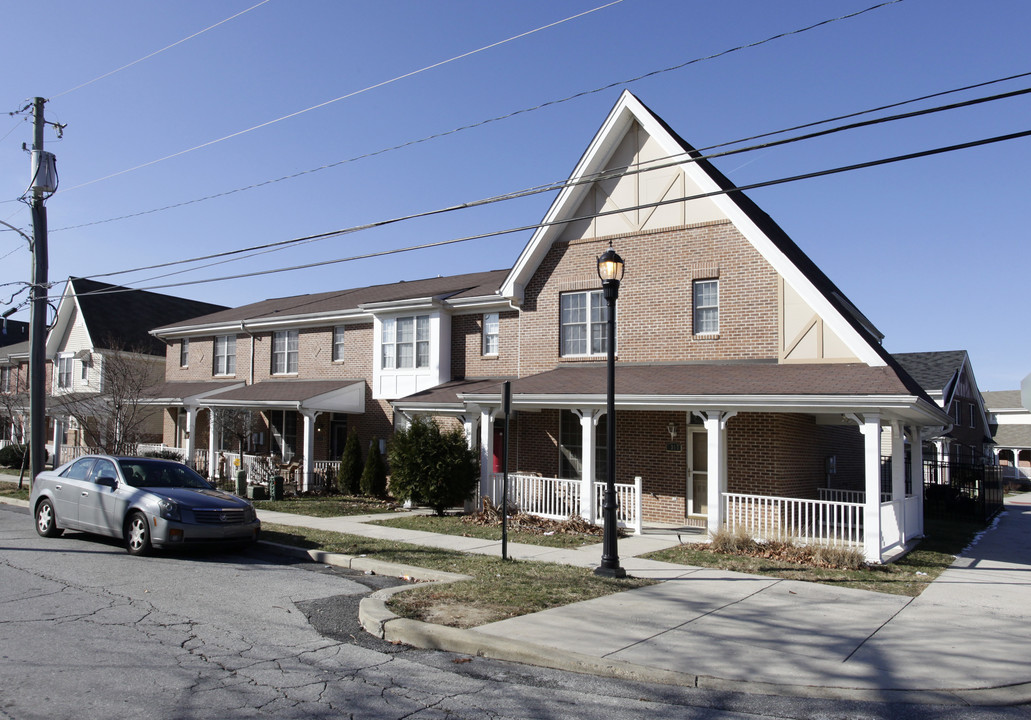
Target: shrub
[(164, 455), (350, 473), (12, 455), (374, 475), (431, 466)]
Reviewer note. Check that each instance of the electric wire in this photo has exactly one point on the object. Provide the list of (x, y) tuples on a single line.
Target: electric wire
[(158, 52), (497, 233), (649, 166), (349, 95)]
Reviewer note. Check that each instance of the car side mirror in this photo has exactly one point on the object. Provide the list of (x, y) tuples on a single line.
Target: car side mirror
[(107, 481)]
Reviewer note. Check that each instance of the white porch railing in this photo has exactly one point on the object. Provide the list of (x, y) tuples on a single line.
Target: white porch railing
[(848, 496), (809, 521), (559, 499)]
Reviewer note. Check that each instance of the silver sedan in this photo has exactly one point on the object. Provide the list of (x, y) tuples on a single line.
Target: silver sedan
[(146, 501)]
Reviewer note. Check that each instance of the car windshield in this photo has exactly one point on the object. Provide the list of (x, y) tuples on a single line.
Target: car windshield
[(160, 473)]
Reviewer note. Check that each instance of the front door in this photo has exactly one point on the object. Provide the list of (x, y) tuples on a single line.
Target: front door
[(697, 472)]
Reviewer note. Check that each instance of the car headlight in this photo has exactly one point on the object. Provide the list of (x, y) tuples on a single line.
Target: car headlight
[(248, 514), (169, 509)]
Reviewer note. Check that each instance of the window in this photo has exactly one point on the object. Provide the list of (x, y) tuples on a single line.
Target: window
[(406, 342), (973, 415), (225, 355), (184, 353), (284, 352), (571, 447), (84, 371), (284, 433), (490, 334), (5, 379), (706, 307), (64, 371), (583, 318), (338, 343)]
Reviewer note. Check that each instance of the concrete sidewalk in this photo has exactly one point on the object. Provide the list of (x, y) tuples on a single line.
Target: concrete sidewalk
[(965, 640)]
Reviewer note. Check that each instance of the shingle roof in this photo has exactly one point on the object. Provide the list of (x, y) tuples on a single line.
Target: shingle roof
[(283, 390), (124, 318), (1013, 436), (452, 287), (1002, 399), (933, 370)]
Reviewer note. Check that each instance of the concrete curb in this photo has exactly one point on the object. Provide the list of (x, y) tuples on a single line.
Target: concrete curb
[(378, 620)]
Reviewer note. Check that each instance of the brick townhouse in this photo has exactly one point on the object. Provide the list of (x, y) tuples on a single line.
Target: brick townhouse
[(742, 372)]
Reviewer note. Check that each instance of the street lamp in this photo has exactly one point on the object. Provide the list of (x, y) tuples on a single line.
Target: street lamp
[(610, 270)]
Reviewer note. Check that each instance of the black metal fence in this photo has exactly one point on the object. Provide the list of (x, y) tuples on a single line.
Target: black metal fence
[(958, 490)]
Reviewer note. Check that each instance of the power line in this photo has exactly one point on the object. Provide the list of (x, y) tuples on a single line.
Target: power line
[(649, 166), (642, 206), (349, 95), (158, 52)]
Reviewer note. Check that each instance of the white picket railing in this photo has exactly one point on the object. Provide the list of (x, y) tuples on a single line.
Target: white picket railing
[(766, 517), (847, 496), (558, 499)]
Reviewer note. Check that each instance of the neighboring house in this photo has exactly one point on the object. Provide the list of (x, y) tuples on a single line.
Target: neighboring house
[(747, 387), (101, 357), (1013, 432), (948, 378), (14, 389)]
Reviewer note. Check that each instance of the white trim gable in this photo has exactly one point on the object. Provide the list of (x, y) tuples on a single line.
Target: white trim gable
[(602, 151), (68, 326)]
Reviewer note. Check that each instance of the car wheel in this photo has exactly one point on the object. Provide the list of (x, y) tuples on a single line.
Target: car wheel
[(137, 535), (46, 520)]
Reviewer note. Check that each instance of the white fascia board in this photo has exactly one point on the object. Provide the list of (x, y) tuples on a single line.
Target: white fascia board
[(191, 399), (349, 399), (600, 149), (392, 306), (260, 324), (449, 409), (485, 303), (253, 404)]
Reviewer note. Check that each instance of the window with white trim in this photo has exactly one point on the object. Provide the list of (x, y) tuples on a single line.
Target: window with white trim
[(64, 371), (405, 342), (338, 343), (5, 379), (706, 307), (491, 333), (184, 353), (583, 323), (284, 352), (224, 355)]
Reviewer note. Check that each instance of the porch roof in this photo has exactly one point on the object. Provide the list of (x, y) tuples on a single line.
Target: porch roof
[(447, 398), (816, 388), (1010, 436), (183, 393), (344, 396)]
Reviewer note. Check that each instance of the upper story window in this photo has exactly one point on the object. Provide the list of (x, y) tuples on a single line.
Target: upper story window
[(225, 355), (406, 342), (338, 343), (5, 379), (706, 307), (583, 318), (491, 333), (64, 371), (284, 352), (184, 353)]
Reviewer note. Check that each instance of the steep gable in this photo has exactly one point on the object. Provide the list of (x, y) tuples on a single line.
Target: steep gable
[(633, 178)]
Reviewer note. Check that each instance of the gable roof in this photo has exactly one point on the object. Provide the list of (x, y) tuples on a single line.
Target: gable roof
[(995, 400), (454, 290), (117, 317), (791, 263), (937, 371)]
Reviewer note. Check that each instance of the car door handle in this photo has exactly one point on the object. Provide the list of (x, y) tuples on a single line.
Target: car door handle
[(58, 487), (85, 493)]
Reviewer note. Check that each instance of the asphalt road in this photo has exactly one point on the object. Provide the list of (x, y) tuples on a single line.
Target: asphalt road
[(86, 631)]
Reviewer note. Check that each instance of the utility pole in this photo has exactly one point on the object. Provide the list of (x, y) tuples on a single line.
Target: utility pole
[(38, 314)]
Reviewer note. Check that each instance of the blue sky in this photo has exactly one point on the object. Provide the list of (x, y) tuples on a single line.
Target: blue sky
[(934, 251)]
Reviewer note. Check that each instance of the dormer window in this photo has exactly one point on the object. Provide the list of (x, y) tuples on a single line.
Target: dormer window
[(406, 342)]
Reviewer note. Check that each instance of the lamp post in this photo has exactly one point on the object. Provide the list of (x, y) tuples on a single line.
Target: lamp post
[(610, 270)]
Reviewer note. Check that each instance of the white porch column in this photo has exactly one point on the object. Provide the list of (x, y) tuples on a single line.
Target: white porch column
[(212, 435), (308, 443), (191, 432), (588, 422), (487, 453), (871, 429), (58, 439), (898, 475), (716, 436), (916, 471), (471, 424)]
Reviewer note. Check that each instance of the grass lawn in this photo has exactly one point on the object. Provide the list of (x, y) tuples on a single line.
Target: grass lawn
[(328, 506), (909, 576), (11, 490), (453, 525), (499, 589)]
